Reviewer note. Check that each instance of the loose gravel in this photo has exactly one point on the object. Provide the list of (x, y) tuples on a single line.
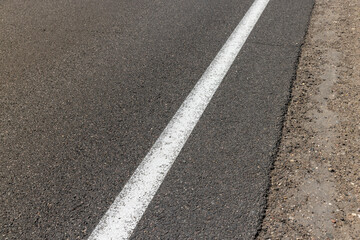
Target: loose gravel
[(315, 183)]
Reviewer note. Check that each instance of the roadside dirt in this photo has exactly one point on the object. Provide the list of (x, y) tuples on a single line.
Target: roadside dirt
[(315, 183)]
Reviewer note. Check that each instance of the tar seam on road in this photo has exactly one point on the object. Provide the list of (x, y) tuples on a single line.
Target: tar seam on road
[(129, 206)]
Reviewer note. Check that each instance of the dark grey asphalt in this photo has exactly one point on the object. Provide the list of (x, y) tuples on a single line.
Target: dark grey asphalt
[(87, 86)]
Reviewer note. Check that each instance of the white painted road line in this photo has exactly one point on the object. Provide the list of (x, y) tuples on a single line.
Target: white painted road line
[(129, 206)]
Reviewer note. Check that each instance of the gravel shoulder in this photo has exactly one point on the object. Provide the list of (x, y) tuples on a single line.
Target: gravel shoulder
[(315, 183)]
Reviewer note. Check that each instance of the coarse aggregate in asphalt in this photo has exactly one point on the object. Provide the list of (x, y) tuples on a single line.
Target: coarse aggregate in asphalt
[(87, 87)]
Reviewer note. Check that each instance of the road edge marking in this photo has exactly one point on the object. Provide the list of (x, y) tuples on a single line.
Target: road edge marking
[(126, 211)]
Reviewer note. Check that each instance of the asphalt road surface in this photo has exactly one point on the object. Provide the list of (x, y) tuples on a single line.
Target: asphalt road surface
[(87, 87)]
